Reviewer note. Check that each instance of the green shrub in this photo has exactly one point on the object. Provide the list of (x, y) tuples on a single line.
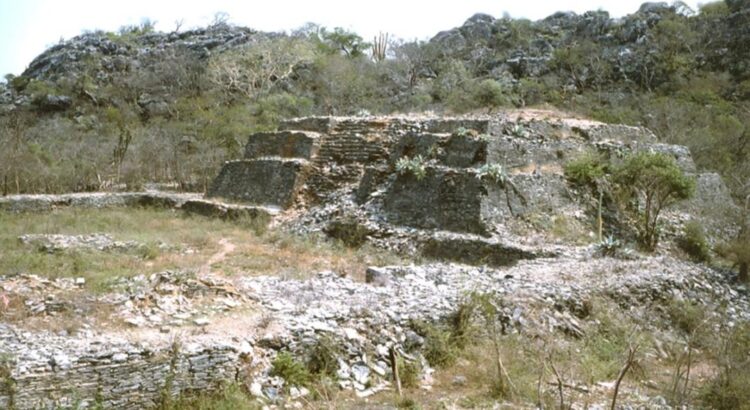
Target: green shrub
[(409, 373), (439, 347), (323, 357), (491, 94), (291, 370), (686, 316), (461, 321), (648, 183), (693, 242), (586, 170), (149, 251), (19, 83), (230, 397), (350, 232), (407, 403)]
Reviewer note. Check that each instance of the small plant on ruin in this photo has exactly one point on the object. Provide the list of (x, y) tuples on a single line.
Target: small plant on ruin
[(415, 166), (484, 137), (497, 175), (494, 172), (463, 132), (519, 131), (323, 357), (410, 372), (587, 170)]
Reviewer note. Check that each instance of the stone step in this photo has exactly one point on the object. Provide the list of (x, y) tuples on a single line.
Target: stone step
[(475, 250), (216, 209)]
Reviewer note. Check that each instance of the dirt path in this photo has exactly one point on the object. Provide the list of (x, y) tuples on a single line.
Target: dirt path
[(226, 247)]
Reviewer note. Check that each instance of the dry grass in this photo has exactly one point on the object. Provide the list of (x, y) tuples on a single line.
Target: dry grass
[(189, 241)]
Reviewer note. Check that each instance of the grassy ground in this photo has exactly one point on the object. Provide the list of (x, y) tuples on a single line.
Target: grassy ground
[(170, 240)]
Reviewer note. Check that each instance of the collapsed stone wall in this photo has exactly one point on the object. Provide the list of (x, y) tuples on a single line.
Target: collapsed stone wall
[(189, 203)]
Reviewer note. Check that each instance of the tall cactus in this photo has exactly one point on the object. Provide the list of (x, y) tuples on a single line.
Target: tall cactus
[(379, 46)]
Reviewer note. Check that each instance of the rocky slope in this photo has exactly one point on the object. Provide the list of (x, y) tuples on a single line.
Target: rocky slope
[(628, 44)]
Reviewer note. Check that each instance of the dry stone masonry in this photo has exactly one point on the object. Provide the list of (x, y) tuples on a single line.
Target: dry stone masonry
[(342, 172)]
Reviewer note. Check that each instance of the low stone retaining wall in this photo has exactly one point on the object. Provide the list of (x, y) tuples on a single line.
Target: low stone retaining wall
[(51, 372)]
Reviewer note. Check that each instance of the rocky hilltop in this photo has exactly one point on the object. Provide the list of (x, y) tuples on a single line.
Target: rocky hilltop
[(629, 44)]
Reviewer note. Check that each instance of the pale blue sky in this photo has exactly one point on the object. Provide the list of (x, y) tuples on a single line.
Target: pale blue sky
[(28, 27)]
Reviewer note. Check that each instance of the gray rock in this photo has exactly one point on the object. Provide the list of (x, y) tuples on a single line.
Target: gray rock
[(119, 357), (360, 373), (377, 276)]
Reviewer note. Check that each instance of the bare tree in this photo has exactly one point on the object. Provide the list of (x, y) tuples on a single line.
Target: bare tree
[(630, 362), (252, 70)]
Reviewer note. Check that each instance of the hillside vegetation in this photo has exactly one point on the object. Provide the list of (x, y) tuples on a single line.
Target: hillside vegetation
[(105, 109)]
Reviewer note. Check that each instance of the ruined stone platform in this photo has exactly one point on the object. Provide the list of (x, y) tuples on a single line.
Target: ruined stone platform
[(345, 168)]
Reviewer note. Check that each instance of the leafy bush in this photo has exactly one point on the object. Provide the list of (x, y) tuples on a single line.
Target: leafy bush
[(409, 372), (650, 182), (491, 94), (461, 321), (685, 316), (414, 166), (693, 242), (586, 170), (349, 231), (323, 357), (439, 350)]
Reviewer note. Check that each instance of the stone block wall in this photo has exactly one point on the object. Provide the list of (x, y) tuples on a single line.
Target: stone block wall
[(445, 199), (58, 373), (267, 182)]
